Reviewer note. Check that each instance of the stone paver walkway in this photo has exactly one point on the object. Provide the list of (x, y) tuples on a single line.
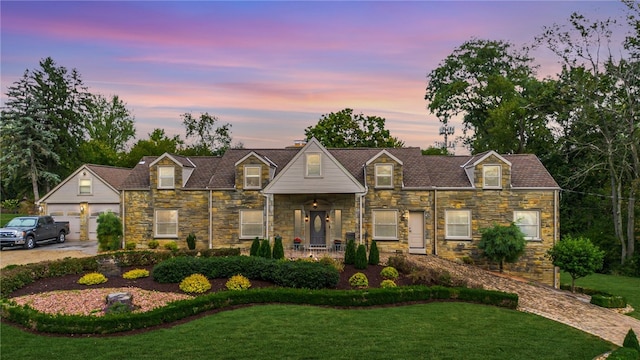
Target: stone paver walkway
[(558, 305)]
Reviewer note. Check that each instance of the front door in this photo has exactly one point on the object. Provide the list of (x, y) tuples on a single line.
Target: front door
[(317, 229), (416, 232)]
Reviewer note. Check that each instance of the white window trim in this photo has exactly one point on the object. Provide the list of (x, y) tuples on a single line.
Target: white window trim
[(516, 218), (251, 236), (376, 236), (484, 176), (155, 224), (306, 171), (173, 178), (446, 226), (390, 186), (90, 186), (247, 176)]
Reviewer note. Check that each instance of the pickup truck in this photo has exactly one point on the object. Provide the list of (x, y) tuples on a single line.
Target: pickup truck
[(29, 231)]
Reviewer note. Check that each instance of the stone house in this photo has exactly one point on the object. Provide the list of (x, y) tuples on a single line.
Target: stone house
[(406, 201)]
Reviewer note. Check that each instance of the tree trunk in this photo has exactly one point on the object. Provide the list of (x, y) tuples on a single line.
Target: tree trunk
[(34, 180), (631, 225), (616, 208)]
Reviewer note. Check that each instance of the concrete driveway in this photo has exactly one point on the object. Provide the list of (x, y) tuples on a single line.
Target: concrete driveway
[(51, 251)]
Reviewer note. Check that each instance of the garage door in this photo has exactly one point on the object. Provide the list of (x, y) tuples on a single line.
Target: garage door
[(70, 213), (94, 211)]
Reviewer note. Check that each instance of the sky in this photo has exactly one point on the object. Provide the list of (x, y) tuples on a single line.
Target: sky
[(270, 68)]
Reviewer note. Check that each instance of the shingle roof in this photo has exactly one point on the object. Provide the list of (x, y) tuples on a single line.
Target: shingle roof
[(419, 171), (114, 176)]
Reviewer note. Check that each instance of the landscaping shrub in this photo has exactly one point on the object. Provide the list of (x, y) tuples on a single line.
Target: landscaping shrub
[(402, 264), (255, 247), (172, 245), (608, 301), (265, 249), (118, 308), (502, 244), (136, 274), (109, 231), (195, 284), (374, 254), (361, 257), (305, 274), (130, 245), (431, 277), (577, 256), (153, 244), (238, 282), (389, 273), (631, 341), (92, 279), (335, 263), (624, 353), (359, 281), (387, 283), (191, 241), (278, 249), (350, 252)]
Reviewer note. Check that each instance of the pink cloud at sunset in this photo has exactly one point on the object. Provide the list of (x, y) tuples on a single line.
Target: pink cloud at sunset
[(271, 69)]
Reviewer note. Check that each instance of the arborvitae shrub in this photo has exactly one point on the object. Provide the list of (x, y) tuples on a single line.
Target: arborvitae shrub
[(191, 241), (374, 254), (265, 249), (255, 247), (350, 253), (109, 231), (361, 257), (278, 249), (631, 341)]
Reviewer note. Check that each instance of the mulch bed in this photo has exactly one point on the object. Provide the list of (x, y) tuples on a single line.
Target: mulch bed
[(70, 282)]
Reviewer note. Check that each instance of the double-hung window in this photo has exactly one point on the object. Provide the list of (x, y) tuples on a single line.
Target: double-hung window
[(492, 176), (84, 187), (384, 175), (166, 223), (166, 177), (458, 224), (314, 165), (251, 224), (529, 223), (252, 177), (385, 224)]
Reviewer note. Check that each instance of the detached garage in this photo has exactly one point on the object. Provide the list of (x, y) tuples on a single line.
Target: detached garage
[(83, 196)]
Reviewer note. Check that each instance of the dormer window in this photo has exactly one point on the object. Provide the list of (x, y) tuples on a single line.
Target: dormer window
[(252, 178), (492, 176), (314, 168), (84, 187), (166, 177), (384, 175)]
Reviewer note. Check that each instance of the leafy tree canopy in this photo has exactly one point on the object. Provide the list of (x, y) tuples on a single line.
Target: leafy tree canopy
[(157, 144), (345, 129), (502, 243), (208, 139), (577, 256)]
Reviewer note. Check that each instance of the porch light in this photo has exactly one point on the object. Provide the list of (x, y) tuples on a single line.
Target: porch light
[(327, 218), (306, 218), (315, 203)]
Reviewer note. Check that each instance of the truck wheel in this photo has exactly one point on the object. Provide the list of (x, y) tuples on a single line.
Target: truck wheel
[(61, 237), (30, 243)]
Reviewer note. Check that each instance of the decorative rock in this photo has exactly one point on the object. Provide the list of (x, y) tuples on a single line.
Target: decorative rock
[(109, 267), (120, 298)]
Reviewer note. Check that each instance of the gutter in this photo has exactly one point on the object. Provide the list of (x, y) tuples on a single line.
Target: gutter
[(210, 219)]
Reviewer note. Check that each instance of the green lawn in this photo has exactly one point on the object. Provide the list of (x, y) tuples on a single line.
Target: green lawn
[(425, 331), (628, 287), (4, 218)]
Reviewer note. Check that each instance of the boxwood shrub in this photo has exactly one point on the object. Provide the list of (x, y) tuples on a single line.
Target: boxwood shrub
[(608, 301)]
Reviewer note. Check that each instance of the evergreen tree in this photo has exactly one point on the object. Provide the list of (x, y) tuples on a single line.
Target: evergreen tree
[(265, 249), (350, 253), (278, 249), (255, 247), (109, 232), (361, 257), (374, 254)]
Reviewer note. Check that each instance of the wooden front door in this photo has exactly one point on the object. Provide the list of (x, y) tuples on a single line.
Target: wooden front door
[(317, 229)]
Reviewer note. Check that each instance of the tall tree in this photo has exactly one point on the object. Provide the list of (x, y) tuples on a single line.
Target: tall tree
[(110, 122), (493, 87), (51, 101), (345, 129), (601, 123), (209, 139), (157, 144), (27, 143)]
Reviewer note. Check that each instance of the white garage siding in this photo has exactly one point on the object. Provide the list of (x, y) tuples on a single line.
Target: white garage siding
[(70, 213), (94, 211)]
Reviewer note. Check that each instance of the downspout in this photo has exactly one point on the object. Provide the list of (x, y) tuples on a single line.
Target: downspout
[(124, 234), (555, 235), (266, 205), (210, 219), (366, 190), (435, 221)]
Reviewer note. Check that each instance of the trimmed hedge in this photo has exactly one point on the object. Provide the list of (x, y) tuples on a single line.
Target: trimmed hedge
[(294, 274), (608, 301), (113, 323), (14, 277)]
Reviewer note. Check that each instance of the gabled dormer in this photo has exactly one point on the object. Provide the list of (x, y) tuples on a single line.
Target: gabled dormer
[(314, 170), (170, 172), (253, 172), (384, 171), (489, 171)]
